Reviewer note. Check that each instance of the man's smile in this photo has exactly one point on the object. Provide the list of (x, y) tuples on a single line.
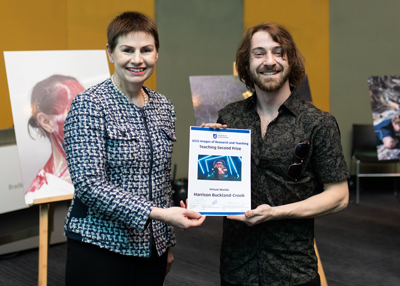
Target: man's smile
[(269, 72)]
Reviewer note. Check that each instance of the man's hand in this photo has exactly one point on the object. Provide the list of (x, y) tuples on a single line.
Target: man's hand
[(394, 105), (333, 199), (389, 142), (252, 217), (214, 125)]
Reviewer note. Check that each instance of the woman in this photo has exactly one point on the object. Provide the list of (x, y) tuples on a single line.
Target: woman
[(118, 140), (50, 101)]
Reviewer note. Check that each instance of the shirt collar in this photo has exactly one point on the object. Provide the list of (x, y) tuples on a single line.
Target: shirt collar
[(291, 104)]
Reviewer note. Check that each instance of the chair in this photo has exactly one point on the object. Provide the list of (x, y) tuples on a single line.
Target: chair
[(364, 151)]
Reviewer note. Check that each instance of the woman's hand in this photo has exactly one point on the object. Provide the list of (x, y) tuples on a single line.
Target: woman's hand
[(170, 259), (183, 205), (177, 217), (214, 125)]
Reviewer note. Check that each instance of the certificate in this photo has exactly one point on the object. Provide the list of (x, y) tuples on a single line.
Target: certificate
[(219, 171)]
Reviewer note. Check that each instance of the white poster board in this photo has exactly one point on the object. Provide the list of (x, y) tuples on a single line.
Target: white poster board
[(11, 190), (26, 72)]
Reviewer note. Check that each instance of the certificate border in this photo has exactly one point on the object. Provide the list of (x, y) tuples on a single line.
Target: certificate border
[(220, 129), (230, 130), (222, 213)]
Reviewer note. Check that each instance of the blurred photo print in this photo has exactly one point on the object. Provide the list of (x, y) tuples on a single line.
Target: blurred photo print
[(213, 92), (40, 102), (385, 100)]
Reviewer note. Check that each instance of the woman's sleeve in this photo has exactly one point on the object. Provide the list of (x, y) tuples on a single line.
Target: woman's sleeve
[(85, 148)]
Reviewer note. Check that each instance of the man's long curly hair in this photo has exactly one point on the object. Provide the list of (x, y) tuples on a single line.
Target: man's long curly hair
[(280, 35)]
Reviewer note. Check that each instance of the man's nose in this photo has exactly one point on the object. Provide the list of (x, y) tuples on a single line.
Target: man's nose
[(269, 59)]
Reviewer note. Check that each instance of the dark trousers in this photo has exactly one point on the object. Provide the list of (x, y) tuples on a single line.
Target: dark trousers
[(315, 282), (89, 264)]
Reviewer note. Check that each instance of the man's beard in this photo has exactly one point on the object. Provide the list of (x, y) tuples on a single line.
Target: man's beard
[(269, 84)]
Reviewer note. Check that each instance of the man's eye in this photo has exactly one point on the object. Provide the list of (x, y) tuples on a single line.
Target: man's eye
[(258, 55), (278, 52)]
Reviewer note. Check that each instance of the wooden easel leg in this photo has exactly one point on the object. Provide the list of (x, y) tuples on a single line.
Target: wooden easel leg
[(46, 214), (43, 243), (320, 268), (50, 222)]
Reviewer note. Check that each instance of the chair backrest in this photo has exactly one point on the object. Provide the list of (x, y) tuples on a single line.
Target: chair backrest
[(363, 136)]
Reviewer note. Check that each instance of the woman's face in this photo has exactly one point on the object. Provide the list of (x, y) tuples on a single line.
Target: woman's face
[(53, 123), (134, 59), (66, 92)]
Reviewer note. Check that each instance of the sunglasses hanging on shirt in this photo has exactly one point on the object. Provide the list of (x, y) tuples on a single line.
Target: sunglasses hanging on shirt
[(300, 152)]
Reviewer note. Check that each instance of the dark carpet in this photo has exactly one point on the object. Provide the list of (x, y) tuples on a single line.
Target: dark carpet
[(360, 246)]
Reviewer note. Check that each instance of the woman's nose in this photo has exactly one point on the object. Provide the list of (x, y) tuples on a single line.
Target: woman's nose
[(137, 58)]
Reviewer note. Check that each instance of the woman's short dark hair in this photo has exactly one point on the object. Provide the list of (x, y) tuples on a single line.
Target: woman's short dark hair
[(280, 35), (129, 22)]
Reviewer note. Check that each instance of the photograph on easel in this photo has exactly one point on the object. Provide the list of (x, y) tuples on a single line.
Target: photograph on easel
[(40, 102), (385, 101), (212, 93)]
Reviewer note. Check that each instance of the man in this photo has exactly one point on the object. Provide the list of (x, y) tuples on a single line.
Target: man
[(298, 171), (387, 132), (219, 171)]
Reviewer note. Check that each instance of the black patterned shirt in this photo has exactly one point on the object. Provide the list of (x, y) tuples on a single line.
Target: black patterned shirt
[(119, 158), (280, 252)]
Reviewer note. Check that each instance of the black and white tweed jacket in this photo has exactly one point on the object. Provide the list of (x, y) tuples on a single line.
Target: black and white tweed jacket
[(119, 158)]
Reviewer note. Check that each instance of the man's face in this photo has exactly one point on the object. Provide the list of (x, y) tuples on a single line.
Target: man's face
[(269, 68), (396, 127)]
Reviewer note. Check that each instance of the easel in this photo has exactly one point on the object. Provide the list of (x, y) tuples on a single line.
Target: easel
[(46, 213), (320, 268)]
